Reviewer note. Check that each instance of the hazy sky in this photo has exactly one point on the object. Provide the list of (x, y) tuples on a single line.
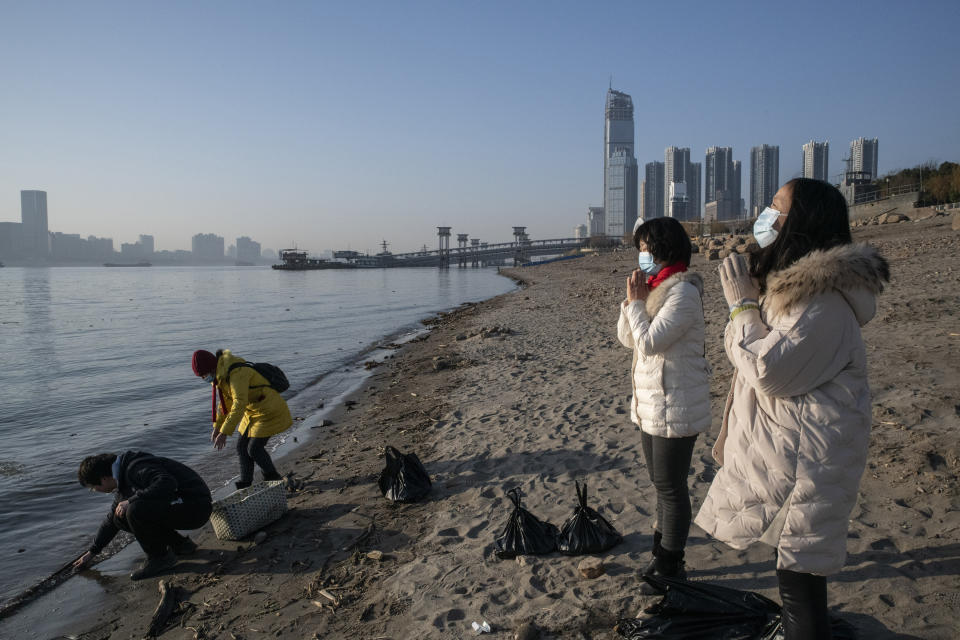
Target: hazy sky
[(337, 124)]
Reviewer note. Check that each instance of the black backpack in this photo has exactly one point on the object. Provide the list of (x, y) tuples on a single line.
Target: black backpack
[(276, 379)]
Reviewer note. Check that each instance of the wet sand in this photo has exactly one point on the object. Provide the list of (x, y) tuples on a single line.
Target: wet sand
[(531, 389)]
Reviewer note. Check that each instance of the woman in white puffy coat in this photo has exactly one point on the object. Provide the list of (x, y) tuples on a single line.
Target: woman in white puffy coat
[(796, 427), (662, 321)]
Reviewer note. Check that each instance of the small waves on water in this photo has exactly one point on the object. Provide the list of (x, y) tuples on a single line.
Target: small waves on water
[(97, 360)]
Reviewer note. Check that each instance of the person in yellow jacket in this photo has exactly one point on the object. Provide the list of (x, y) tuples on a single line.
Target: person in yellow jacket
[(248, 404)]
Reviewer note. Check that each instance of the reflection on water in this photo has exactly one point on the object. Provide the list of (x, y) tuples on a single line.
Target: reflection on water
[(37, 325), (97, 360)]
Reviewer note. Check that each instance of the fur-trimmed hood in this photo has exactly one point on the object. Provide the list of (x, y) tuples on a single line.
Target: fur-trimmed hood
[(659, 295), (856, 271)]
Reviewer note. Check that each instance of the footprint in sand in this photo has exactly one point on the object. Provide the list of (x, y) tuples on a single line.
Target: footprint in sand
[(884, 544), (453, 615), (537, 584), (449, 536), (707, 475)]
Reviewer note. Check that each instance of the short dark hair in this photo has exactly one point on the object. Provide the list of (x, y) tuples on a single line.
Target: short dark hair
[(817, 219), (94, 469), (666, 240)]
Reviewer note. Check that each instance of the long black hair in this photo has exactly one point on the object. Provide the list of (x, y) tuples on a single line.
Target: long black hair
[(666, 240), (818, 219)]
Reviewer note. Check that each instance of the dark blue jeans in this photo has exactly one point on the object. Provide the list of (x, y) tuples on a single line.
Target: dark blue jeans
[(668, 463)]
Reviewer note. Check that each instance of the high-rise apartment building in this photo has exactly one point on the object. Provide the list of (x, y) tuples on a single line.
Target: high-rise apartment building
[(736, 189), (721, 173), (247, 250), (207, 247), (35, 233), (676, 163), (863, 156), (596, 221), (719, 163), (764, 176), (816, 157), (11, 240), (619, 165), (142, 249), (98, 248), (146, 242), (621, 202), (694, 174), (653, 191), (678, 204)]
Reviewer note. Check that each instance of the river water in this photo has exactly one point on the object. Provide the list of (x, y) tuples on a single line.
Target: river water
[(98, 360)]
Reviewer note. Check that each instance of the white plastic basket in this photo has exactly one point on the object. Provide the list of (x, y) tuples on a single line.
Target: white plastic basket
[(246, 510)]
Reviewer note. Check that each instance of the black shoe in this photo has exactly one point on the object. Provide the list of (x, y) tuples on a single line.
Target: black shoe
[(269, 477), (665, 563), (241, 485), (184, 547), (154, 565)]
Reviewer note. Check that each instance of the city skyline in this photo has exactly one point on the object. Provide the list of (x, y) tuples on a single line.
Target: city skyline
[(283, 123), (32, 242), (684, 193)]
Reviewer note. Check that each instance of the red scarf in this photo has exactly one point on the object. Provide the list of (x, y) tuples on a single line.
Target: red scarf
[(213, 401), (654, 281)]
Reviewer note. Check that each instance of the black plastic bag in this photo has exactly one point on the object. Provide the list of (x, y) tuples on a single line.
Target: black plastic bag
[(525, 534), (704, 611), (586, 531), (404, 479)]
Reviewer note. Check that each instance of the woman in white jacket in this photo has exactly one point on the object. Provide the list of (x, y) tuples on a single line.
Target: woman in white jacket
[(796, 427), (662, 321)]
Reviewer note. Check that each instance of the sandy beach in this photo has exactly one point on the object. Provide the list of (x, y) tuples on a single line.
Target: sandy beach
[(531, 390)]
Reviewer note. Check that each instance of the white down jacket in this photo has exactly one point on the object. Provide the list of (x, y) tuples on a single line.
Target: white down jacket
[(797, 423), (670, 375)]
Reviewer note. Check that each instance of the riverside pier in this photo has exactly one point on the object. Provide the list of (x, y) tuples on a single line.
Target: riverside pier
[(469, 252)]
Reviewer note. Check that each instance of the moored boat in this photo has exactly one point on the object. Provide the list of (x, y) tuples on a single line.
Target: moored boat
[(295, 260)]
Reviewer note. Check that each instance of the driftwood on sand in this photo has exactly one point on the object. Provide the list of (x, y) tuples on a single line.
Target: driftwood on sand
[(169, 598)]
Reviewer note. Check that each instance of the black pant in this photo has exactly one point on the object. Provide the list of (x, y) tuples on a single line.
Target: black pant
[(804, 598), (668, 463), (155, 522), (253, 450)]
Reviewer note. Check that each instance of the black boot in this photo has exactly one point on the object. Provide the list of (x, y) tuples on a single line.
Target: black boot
[(647, 570), (154, 565), (241, 485), (182, 545), (267, 477), (665, 563), (804, 598)]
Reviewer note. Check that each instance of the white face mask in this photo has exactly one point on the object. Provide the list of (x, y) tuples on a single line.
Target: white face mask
[(647, 265), (763, 229), (209, 378)]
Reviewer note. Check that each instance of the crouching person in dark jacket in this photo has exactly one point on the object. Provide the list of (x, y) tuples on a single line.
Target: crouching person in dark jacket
[(154, 497)]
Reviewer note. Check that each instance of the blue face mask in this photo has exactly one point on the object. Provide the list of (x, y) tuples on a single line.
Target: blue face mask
[(647, 265), (209, 378), (763, 229)]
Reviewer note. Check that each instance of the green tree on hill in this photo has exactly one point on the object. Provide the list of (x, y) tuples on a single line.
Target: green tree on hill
[(941, 184)]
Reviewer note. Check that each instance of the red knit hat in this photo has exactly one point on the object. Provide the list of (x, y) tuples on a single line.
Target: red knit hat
[(203, 363)]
